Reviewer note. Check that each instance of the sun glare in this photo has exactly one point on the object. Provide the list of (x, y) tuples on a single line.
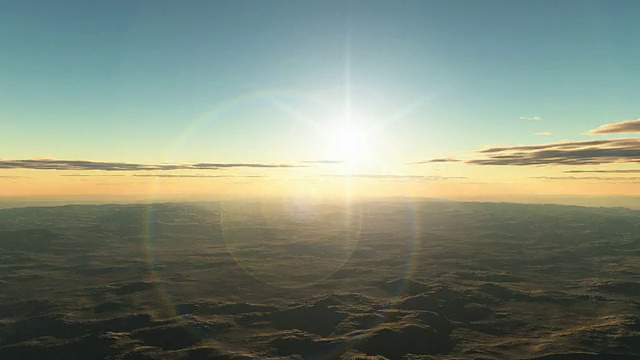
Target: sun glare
[(348, 143)]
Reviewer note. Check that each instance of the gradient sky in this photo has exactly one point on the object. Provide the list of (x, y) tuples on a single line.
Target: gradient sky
[(377, 85)]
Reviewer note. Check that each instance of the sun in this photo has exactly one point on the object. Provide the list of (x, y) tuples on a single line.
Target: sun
[(348, 142)]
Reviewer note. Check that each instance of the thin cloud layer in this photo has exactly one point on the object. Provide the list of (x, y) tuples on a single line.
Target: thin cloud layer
[(439, 160), (51, 164), (89, 175), (215, 166), (322, 161), (618, 171), (623, 127), (197, 176), (591, 152), (398, 177), (530, 118), (544, 133), (598, 178)]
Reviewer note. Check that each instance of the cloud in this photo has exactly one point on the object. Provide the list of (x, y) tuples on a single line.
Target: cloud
[(592, 152), (439, 160), (623, 127), (51, 164), (215, 166), (398, 177), (91, 175), (586, 152), (322, 161), (197, 176), (599, 178), (619, 171)]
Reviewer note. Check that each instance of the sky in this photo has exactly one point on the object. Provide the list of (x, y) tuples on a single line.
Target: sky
[(454, 99)]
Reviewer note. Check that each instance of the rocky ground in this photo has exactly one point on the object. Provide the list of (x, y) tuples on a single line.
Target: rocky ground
[(372, 280)]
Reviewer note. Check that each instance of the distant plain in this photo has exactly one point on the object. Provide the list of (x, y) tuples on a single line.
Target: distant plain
[(302, 280)]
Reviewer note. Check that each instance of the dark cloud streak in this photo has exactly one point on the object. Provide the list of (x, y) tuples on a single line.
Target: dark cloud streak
[(439, 160), (197, 176), (89, 175), (623, 127), (51, 164), (592, 152), (618, 171), (598, 178)]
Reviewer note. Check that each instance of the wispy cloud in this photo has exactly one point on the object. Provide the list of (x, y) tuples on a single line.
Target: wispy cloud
[(623, 127), (590, 152), (215, 166), (90, 175), (598, 178), (52, 164), (544, 133), (197, 176), (530, 118), (617, 171), (438, 160), (398, 177), (322, 161)]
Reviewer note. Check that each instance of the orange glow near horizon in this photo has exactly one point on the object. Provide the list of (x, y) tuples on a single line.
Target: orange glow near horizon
[(34, 183)]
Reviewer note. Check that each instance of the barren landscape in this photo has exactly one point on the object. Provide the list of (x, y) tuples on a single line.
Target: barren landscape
[(319, 180), (299, 280)]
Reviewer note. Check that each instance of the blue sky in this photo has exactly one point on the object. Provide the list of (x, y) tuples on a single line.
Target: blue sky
[(158, 81)]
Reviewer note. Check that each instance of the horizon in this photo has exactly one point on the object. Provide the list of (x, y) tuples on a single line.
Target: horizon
[(629, 203)]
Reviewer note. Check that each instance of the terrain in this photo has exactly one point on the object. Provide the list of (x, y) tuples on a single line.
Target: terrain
[(294, 279)]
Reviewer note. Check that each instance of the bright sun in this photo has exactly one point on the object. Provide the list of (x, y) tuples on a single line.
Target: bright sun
[(347, 142)]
